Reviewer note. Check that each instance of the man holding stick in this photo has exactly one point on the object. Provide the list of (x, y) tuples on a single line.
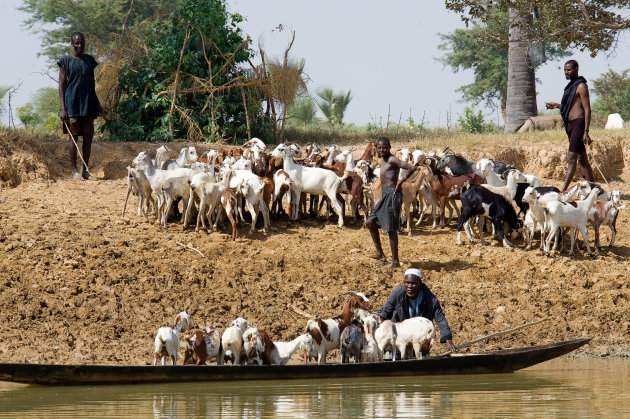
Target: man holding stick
[(78, 102)]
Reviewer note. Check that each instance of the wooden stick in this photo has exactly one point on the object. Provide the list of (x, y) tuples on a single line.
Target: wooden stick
[(300, 312), (493, 335), (603, 177), (76, 145), (187, 246)]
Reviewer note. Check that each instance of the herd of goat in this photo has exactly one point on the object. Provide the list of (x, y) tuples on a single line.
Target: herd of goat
[(357, 333), (225, 181)]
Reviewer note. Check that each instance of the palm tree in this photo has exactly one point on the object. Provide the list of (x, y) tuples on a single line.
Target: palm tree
[(521, 83), (303, 110), (333, 106)]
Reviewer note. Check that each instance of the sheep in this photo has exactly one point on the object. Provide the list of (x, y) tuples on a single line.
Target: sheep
[(167, 339), (311, 180), (232, 341), (325, 333), (561, 214), (417, 331), (203, 345), (258, 347), (370, 352), (605, 213), (351, 343), (286, 349), (138, 182), (477, 200), (385, 336)]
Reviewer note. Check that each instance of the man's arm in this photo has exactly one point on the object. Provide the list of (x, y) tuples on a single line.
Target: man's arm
[(586, 104), (62, 94), (403, 165), (387, 311), (552, 105)]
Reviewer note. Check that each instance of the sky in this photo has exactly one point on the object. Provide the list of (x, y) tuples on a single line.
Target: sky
[(384, 52)]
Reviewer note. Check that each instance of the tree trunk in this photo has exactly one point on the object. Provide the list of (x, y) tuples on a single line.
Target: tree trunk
[(521, 84)]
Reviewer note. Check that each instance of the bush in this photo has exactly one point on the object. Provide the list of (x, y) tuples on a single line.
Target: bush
[(474, 123)]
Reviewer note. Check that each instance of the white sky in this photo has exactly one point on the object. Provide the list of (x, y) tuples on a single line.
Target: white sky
[(383, 51)]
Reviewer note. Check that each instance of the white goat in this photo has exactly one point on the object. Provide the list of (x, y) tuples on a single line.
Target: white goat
[(286, 349), (232, 341), (417, 331), (311, 180), (385, 336), (560, 214), (258, 347), (167, 339), (138, 183), (370, 352)]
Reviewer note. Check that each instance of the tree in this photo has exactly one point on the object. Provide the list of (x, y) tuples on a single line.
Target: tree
[(484, 48), (100, 19), (3, 92), (28, 116), (302, 110), (613, 93), (45, 102), (189, 84), (333, 106), (582, 24)]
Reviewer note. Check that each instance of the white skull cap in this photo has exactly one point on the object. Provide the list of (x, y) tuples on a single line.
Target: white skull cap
[(414, 271)]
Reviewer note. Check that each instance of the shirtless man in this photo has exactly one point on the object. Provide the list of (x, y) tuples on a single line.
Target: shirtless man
[(386, 213), (576, 114)]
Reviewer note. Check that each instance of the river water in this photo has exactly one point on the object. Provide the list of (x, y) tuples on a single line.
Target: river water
[(562, 388)]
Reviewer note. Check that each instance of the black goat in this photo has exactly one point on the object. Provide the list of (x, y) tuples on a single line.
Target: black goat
[(477, 200)]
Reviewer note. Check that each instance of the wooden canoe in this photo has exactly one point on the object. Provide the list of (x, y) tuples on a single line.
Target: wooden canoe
[(503, 361)]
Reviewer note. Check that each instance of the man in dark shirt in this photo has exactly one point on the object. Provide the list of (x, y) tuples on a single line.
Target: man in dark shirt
[(78, 101), (414, 298)]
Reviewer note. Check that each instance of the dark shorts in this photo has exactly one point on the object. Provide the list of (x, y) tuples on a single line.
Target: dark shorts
[(387, 210), (575, 130), (80, 126)]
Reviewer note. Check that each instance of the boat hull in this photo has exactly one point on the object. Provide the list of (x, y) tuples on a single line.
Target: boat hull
[(503, 361)]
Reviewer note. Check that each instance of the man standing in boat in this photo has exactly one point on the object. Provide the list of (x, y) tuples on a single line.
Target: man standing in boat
[(386, 213), (414, 298)]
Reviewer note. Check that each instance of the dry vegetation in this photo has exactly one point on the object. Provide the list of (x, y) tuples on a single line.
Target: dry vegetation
[(80, 284)]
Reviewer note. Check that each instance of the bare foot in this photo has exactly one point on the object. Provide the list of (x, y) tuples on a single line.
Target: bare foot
[(393, 266), (377, 256)]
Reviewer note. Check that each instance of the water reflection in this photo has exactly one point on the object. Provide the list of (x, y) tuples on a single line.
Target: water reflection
[(576, 388)]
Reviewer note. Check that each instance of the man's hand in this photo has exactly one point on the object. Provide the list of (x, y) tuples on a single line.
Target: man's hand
[(587, 138), (63, 115), (552, 105), (451, 346), (397, 188)]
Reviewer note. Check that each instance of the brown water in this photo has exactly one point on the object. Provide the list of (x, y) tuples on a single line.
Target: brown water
[(571, 388)]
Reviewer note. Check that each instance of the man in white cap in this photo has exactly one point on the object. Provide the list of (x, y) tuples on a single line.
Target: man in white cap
[(414, 298)]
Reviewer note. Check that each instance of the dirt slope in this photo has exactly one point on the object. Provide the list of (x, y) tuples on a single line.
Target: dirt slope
[(81, 284)]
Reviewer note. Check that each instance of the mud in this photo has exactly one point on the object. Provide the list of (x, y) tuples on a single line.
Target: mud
[(81, 284)]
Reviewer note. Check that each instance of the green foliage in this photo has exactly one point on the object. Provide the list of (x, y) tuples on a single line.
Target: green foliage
[(333, 106), (302, 111), (474, 123), (562, 22), (144, 111), (99, 19), (613, 94), (28, 116), (484, 48)]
